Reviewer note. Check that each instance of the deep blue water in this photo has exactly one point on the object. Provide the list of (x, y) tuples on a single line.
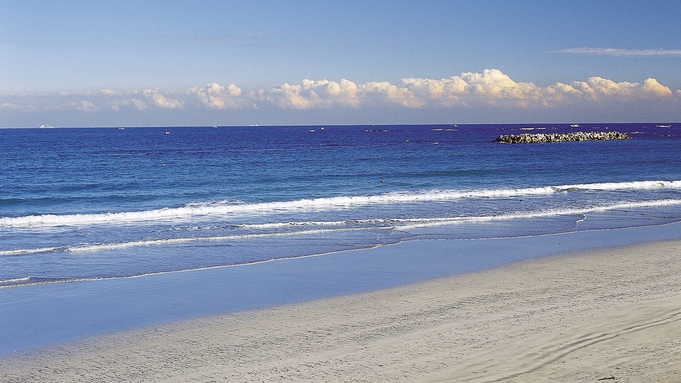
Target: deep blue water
[(78, 204)]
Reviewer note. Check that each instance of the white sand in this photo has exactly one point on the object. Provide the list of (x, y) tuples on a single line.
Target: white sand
[(609, 316)]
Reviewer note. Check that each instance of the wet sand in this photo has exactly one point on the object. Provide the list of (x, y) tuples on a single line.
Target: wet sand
[(610, 315)]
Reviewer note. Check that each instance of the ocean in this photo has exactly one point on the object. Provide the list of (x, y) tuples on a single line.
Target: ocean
[(82, 204)]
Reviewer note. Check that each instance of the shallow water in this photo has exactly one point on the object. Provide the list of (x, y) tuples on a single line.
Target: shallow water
[(43, 315)]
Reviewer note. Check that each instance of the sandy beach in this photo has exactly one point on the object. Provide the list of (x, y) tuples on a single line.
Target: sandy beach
[(609, 315)]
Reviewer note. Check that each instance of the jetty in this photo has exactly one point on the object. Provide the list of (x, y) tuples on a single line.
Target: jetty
[(536, 138)]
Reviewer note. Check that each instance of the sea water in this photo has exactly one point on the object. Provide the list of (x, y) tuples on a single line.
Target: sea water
[(105, 203), (106, 229)]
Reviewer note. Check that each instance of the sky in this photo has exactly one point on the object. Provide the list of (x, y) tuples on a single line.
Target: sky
[(209, 62)]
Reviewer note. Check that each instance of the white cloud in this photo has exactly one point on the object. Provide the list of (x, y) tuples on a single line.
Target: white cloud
[(489, 88), (496, 88), (131, 102), (620, 52), (83, 106), (651, 86), (289, 96), (492, 83), (555, 94), (157, 99), (216, 96), (314, 94), (344, 92), (377, 93), (598, 88), (10, 106), (449, 88)]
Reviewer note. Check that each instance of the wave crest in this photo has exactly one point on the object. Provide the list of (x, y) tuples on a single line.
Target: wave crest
[(226, 208), (303, 228)]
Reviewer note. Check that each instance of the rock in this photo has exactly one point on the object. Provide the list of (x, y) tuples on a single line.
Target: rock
[(534, 138)]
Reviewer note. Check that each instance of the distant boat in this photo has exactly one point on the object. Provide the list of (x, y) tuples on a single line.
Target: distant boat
[(663, 126), (167, 132), (46, 126), (574, 125)]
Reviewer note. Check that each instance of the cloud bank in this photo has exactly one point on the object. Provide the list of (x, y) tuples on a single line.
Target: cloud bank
[(489, 88)]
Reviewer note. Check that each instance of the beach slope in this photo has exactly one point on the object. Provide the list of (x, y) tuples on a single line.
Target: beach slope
[(608, 315)]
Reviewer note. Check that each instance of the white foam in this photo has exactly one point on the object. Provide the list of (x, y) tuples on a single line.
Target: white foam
[(635, 185), (27, 251), (14, 281), (541, 214), (322, 227), (227, 208), (174, 241)]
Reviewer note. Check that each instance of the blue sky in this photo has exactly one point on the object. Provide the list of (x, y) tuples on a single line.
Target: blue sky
[(134, 63)]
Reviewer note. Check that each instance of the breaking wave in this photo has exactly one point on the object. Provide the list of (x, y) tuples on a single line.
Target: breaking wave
[(229, 208), (303, 228)]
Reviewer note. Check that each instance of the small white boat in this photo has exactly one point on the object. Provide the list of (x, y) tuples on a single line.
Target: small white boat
[(663, 126)]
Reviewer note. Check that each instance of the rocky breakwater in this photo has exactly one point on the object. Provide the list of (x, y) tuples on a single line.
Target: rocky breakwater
[(536, 138)]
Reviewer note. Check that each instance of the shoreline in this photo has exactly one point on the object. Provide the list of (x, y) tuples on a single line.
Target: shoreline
[(598, 314), (40, 316)]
